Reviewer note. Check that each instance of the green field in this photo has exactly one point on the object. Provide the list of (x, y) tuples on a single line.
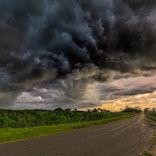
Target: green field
[(17, 125), (151, 115)]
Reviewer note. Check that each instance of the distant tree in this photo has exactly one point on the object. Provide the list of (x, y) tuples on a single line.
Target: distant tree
[(58, 109), (95, 110), (102, 110), (99, 110), (153, 109), (75, 110), (88, 110), (129, 109), (68, 109), (146, 109), (105, 110)]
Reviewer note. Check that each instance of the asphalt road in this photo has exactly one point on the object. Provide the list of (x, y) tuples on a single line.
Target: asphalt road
[(127, 137)]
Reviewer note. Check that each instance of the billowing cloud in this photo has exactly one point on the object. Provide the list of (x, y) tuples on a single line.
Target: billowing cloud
[(72, 44), (125, 87)]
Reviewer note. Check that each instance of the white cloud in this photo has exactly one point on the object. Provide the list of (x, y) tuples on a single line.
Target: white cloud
[(28, 98)]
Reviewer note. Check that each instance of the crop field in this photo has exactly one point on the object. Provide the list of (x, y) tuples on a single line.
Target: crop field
[(17, 125)]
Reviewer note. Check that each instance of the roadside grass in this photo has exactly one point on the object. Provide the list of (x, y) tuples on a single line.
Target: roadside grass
[(15, 134), (154, 140), (147, 154), (151, 116)]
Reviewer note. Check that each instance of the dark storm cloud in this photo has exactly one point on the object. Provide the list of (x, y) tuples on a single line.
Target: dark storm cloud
[(126, 87), (143, 90), (54, 39)]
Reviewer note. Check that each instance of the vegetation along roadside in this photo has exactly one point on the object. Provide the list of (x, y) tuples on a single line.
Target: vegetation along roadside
[(17, 125)]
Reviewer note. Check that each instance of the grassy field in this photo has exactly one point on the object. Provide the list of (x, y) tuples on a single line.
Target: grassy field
[(17, 125)]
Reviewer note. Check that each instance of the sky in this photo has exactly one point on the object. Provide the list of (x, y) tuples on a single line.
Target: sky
[(77, 54)]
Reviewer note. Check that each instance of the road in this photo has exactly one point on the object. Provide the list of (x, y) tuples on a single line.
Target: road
[(127, 137)]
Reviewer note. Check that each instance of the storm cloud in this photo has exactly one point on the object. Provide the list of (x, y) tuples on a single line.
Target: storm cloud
[(78, 42)]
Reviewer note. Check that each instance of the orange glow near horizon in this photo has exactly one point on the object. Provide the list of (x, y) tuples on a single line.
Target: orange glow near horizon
[(142, 101)]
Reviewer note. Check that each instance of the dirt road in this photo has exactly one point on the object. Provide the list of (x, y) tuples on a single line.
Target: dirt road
[(122, 138)]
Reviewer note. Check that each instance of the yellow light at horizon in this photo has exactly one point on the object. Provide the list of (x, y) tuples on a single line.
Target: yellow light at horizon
[(142, 101)]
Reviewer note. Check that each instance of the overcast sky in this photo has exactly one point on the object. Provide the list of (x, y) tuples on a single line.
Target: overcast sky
[(77, 53)]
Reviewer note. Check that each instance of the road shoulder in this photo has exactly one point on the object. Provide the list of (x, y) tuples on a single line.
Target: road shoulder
[(152, 149)]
